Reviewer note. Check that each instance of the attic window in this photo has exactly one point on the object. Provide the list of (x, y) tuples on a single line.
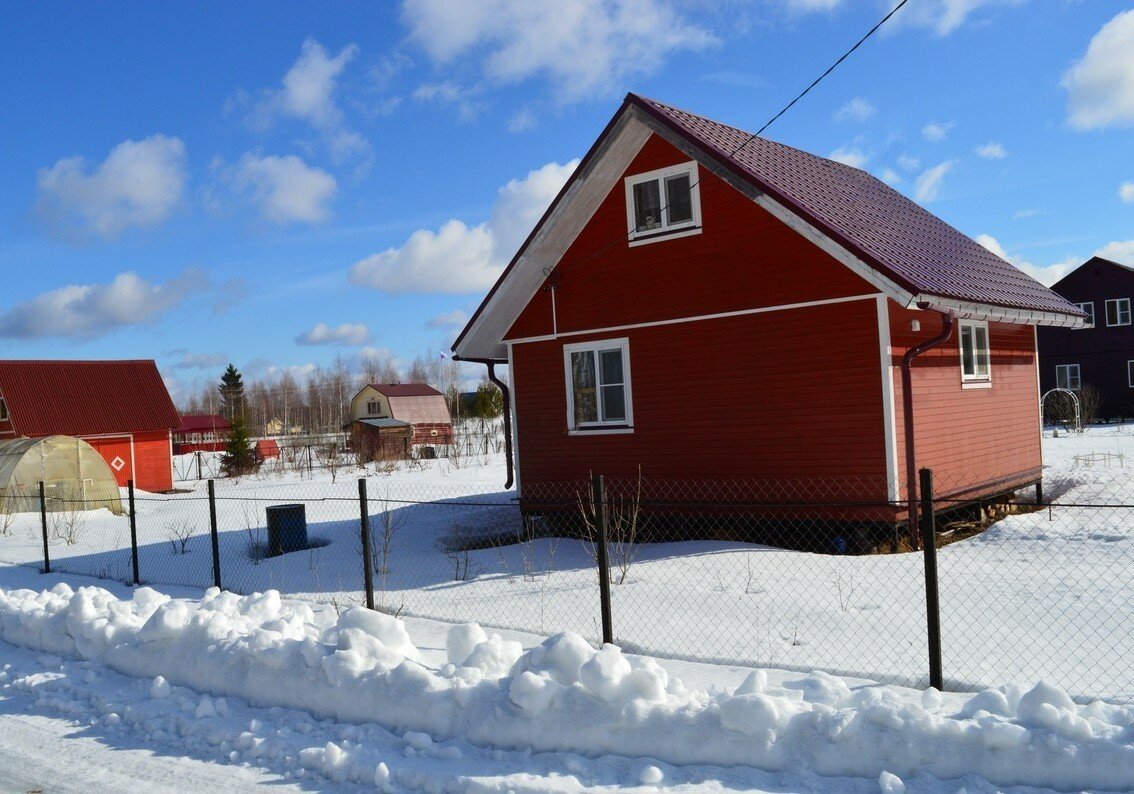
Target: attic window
[(1088, 308), (374, 407), (1118, 311), (663, 203)]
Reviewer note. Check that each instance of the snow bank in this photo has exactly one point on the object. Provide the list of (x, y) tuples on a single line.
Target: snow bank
[(563, 695)]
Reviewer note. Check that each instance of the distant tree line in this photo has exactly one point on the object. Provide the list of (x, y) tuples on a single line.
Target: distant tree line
[(284, 403)]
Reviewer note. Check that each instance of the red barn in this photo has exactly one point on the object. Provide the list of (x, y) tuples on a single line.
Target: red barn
[(121, 408), (712, 306)]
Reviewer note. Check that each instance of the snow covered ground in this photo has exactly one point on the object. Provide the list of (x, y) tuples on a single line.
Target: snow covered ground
[(1044, 595), (124, 683), (108, 687)]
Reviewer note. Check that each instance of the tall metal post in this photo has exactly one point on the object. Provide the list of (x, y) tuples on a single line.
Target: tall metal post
[(932, 602), (215, 534), (133, 532), (198, 464), (598, 499), (364, 521), (43, 523)]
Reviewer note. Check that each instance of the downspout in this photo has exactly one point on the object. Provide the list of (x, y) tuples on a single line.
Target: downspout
[(491, 364), (908, 419)]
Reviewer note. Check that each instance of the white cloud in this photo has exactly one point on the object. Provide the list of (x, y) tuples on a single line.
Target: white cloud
[(1100, 85), (308, 94), (809, 6), (1126, 192), (1029, 212), (522, 121), (937, 131), (449, 320), (992, 151), (87, 311), (928, 184), (1044, 274), (458, 258), (908, 162), (345, 334), (890, 176), (945, 16), (858, 109), (450, 93), (585, 47), (140, 183), (201, 361), (1121, 251), (285, 189), (850, 155)]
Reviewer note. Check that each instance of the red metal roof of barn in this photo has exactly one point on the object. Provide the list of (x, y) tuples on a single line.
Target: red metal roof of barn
[(80, 398), (912, 246), (203, 423)]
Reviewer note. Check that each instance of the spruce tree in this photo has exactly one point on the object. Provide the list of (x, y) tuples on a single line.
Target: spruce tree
[(239, 457), (232, 394)]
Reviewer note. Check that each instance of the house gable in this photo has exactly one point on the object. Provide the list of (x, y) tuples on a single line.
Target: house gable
[(744, 258), (369, 403)]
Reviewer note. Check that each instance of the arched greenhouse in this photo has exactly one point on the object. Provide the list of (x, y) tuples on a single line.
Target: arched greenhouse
[(74, 475)]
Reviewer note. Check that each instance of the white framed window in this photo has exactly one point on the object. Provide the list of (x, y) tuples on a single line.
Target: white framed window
[(1118, 311), (1089, 309), (1067, 376), (663, 204), (975, 358), (598, 385)]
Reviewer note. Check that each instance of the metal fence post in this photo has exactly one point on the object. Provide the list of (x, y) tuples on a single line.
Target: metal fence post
[(215, 534), (198, 464), (932, 602), (364, 521), (598, 499), (43, 522), (133, 532)]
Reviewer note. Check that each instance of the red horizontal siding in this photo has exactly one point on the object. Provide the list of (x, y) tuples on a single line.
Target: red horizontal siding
[(744, 258), (969, 437), (153, 467), (779, 395)]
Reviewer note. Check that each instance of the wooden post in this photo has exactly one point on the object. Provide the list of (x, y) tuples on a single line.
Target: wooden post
[(598, 499)]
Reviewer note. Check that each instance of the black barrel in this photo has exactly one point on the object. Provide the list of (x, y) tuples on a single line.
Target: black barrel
[(287, 529)]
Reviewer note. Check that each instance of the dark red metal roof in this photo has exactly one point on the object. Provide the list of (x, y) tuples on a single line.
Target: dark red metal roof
[(203, 423), (79, 398), (405, 389), (914, 248)]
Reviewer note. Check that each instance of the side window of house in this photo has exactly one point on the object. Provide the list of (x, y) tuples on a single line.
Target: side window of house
[(1067, 376), (1130, 373), (598, 385), (1118, 311), (663, 203), (975, 358), (1089, 309), (374, 407)]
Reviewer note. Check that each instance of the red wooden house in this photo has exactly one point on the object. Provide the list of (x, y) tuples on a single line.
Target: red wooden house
[(201, 433), (715, 307), (121, 408)]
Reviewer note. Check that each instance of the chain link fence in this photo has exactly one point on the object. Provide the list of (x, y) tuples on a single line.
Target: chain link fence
[(794, 573)]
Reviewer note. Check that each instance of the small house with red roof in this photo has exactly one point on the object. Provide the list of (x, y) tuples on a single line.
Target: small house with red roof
[(121, 408), (390, 419), (738, 319), (201, 433)]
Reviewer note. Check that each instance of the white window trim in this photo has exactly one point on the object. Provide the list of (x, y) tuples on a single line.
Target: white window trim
[(1089, 308), (666, 231), (974, 381), (599, 428), (1067, 368), (1130, 373), (1118, 303)]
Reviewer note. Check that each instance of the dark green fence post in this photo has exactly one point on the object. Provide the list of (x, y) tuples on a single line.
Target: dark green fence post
[(598, 499), (932, 602), (215, 534), (364, 521), (133, 532), (43, 522)]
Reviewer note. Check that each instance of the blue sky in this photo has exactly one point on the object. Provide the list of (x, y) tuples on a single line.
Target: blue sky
[(275, 184)]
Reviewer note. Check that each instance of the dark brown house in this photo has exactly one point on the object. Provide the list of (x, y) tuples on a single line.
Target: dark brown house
[(389, 419), (1102, 354)]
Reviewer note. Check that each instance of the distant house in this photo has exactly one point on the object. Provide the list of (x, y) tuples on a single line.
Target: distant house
[(121, 408), (201, 433), (1101, 354), (389, 419), (717, 310)]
